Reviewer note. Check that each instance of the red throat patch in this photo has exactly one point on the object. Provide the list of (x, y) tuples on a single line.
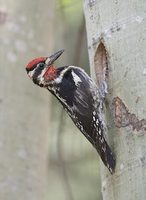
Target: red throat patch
[(50, 74)]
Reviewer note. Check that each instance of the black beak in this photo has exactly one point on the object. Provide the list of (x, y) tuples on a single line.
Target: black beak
[(53, 57)]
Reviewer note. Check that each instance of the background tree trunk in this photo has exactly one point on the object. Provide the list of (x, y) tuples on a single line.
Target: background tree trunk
[(116, 41), (26, 31)]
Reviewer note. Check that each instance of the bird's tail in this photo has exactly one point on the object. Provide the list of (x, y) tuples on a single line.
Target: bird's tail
[(107, 157)]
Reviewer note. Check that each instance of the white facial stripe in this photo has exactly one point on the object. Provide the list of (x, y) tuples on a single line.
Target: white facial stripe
[(42, 72), (30, 74), (47, 61), (40, 77)]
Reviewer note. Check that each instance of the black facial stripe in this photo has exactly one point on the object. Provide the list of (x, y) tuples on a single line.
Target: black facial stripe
[(30, 69), (35, 81), (38, 70)]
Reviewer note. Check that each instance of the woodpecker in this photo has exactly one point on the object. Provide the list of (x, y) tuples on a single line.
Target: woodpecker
[(79, 96)]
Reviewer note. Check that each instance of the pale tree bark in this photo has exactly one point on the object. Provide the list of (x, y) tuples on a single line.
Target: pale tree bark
[(26, 32), (116, 40)]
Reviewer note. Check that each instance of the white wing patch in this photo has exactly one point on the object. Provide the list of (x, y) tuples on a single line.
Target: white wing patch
[(76, 78)]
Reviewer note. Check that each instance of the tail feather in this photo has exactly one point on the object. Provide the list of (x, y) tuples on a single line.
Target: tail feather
[(107, 157), (110, 160)]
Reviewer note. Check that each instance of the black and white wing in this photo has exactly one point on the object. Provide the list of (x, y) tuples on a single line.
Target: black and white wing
[(80, 98)]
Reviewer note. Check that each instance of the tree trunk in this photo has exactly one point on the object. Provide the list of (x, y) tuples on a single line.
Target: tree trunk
[(116, 40), (26, 32)]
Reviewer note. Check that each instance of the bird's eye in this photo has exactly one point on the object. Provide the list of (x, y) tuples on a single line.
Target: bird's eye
[(40, 65)]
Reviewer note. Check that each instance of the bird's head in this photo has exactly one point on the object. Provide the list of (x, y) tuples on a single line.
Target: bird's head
[(41, 70)]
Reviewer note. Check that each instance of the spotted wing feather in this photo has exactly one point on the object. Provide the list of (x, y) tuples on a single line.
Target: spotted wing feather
[(79, 96)]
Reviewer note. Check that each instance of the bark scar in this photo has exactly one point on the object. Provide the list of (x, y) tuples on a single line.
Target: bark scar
[(123, 117)]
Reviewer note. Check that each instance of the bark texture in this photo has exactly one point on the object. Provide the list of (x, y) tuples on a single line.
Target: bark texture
[(26, 32), (116, 41)]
